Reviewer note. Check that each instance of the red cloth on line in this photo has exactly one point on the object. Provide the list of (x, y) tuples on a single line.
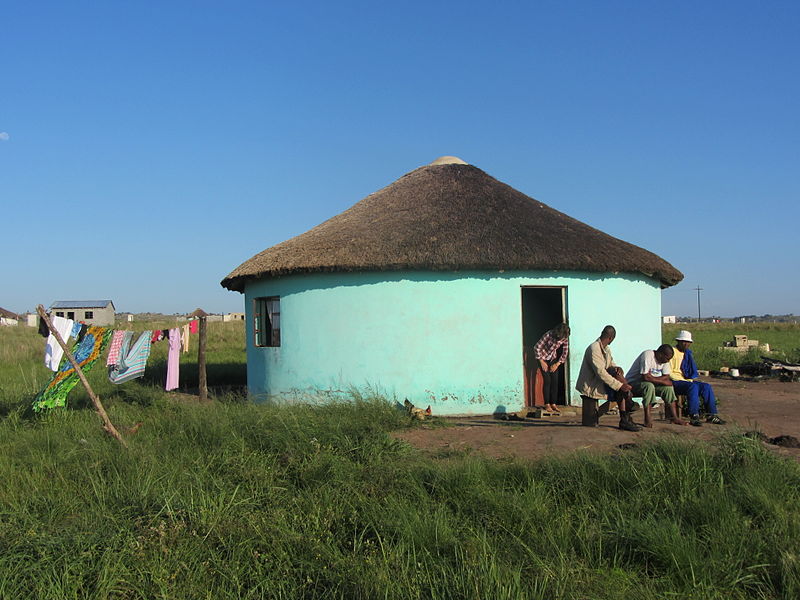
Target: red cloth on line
[(194, 326)]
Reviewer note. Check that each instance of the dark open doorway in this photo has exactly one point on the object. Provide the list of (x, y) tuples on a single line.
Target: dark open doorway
[(542, 308)]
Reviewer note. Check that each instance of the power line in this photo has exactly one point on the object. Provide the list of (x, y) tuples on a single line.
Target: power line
[(699, 289)]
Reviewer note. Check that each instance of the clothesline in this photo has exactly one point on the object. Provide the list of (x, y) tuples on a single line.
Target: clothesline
[(126, 361)]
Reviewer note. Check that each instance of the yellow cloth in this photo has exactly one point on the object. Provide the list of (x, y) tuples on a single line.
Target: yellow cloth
[(675, 362), (185, 337)]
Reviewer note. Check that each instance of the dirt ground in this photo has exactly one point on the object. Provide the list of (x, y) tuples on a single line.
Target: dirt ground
[(772, 407)]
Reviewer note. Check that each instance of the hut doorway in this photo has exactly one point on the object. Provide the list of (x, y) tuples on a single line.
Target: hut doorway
[(543, 307)]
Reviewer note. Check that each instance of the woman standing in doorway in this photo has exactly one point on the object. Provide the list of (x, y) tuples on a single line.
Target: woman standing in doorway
[(551, 352)]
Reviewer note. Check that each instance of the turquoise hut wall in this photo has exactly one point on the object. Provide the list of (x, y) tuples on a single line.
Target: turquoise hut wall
[(452, 340)]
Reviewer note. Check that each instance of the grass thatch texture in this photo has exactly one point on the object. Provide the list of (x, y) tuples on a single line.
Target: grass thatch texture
[(783, 339)]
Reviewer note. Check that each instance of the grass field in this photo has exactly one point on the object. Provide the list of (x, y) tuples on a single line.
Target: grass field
[(233, 500), (783, 339)]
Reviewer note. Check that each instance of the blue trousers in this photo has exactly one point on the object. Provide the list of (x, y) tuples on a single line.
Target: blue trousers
[(693, 390)]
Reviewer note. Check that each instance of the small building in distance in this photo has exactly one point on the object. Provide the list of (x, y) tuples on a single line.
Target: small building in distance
[(669, 320), (8, 318), (233, 317), (91, 312)]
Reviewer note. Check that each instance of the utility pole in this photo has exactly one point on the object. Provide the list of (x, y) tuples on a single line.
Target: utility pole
[(699, 289)]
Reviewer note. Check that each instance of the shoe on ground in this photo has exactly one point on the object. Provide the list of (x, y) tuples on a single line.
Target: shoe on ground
[(629, 426), (715, 420), (695, 421)]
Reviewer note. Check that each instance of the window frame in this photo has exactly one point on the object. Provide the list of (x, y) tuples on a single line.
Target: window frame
[(267, 310), (88, 314)]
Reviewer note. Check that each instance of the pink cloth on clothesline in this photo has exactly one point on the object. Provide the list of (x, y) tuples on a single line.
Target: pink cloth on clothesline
[(173, 359), (194, 326), (116, 344)]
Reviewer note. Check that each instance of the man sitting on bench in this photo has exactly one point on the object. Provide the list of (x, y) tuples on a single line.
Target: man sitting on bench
[(684, 374), (601, 379), (649, 377)]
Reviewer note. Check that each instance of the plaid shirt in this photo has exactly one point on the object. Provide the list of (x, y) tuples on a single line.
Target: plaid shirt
[(549, 346)]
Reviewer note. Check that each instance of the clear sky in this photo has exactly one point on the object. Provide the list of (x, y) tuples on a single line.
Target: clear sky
[(148, 148)]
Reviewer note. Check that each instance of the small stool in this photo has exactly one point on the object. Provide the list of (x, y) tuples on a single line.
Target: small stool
[(591, 412)]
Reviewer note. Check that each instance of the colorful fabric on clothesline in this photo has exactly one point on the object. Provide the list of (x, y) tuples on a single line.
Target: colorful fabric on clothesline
[(76, 329), (132, 359), (194, 326), (116, 344), (86, 354)]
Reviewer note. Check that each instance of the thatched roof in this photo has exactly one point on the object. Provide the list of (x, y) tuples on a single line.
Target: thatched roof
[(451, 216)]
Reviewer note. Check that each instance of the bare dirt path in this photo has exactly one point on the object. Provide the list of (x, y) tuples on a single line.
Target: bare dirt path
[(772, 407)]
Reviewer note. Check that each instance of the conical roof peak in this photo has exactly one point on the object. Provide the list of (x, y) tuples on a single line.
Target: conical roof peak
[(448, 216)]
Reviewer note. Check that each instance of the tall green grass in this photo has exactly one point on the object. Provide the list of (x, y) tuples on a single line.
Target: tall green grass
[(236, 500), (233, 500), (783, 339)]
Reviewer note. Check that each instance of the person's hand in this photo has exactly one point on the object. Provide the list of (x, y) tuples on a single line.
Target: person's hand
[(625, 387), (554, 368)]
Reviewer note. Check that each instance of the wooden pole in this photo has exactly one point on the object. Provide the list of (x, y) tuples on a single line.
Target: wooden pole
[(107, 424), (201, 361)]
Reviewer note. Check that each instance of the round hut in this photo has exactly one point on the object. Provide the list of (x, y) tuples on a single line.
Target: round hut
[(434, 289)]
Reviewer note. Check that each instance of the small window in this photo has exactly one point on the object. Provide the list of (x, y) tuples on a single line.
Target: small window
[(71, 315), (89, 314), (267, 321), (59, 313)]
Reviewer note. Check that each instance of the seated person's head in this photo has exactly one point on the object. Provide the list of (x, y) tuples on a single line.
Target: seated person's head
[(683, 341), (664, 353)]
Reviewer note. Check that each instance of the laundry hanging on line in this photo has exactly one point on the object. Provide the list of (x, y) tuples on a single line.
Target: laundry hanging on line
[(131, 359), (86, 354), (53, 353), (173, 359), (185, 333), (125, 361)]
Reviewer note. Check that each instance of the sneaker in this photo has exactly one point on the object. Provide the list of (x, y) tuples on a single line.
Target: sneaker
[(715, 420), (695, 421)]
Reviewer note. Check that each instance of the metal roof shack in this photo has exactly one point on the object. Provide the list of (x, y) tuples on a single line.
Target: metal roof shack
[(91, 312)]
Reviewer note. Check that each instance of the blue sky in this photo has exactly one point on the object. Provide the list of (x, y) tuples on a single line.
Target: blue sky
[(146, 149)]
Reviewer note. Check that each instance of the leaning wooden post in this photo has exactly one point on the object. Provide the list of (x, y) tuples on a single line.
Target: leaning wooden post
[(107, 424), (201, 361)]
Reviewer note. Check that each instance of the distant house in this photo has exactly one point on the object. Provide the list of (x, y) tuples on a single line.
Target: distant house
[(668, 320), (8, 318), (233, 317), (91, 312)]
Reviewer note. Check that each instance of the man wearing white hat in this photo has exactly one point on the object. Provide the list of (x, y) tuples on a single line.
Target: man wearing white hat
[(684, 374)]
